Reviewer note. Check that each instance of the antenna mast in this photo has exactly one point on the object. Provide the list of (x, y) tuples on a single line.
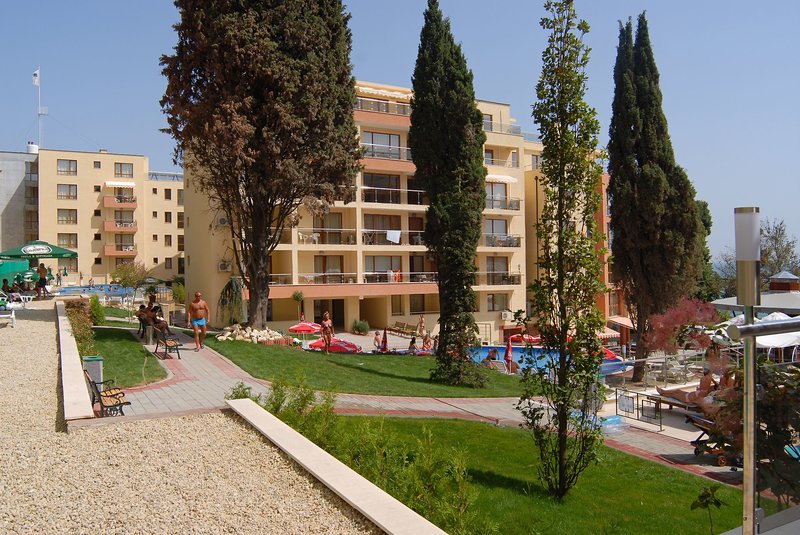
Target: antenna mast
[(41, 111)]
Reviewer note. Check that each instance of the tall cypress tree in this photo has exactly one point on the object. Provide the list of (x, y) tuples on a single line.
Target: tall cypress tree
[(654, 218), (446, 139)]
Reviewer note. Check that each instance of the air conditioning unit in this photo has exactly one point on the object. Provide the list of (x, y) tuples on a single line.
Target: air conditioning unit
[(506, 315), (222, 221), (224, 266)]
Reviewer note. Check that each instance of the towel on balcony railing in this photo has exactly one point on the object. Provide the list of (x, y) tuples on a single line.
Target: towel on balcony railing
[(393, 236)]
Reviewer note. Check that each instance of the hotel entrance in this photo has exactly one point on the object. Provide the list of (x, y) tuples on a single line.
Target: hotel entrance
[(336, 309)]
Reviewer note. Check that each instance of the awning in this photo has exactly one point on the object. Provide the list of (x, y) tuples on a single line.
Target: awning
[(383, 92), (505, 179), (119, 184), (622, 321), (607, 333)]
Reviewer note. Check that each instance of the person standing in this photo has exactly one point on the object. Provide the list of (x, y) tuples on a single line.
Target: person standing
[(327, 330), (58, 278), (200, 316), (421, 326), (42, 282)]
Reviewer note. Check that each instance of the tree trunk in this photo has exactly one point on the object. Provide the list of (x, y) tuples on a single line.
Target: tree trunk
[(641, 350), (259, 299)]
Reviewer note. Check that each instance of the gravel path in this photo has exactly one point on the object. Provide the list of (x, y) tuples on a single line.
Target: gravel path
[(195, 474)]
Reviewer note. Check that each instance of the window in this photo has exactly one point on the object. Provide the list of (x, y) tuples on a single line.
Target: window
[(67, 167), (487, 122), (155, 214), (70, 264), (488, 156), (514, 159), (123, 170), (168, 263), (379, 145), (495, 227), (496, 196), (180, 242), (167, 217), (98, 261), (180, 219), (498, 302), (68, 240), (97, 237), (378, 268), (67, 191), (31, 170), (397, 305), (155, 191), (67, 217), (180, 197), (181, 266), (328, 269), (97, 189), (31, 194), (155, 260), (167, 194), (155, 237), (417, 302), (167, 240), (97, 213), (534, 161), (613, 307), (375, 227), (381, 188), (31, 220), (96, 164)]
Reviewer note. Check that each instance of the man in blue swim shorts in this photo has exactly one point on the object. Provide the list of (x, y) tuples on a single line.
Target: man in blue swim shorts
[(200, 316)]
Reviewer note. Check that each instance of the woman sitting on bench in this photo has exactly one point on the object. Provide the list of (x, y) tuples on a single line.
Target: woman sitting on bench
[(707, 384), (154, 318)]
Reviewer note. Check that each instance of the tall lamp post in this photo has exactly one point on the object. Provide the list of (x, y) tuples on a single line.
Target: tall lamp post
[(748, 294)]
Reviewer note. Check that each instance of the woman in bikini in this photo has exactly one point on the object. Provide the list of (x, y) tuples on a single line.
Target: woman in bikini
[(327, 330)]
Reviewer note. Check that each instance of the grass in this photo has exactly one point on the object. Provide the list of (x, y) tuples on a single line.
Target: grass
[(116, 312), (622, 494), (125, 359), (395, 375)]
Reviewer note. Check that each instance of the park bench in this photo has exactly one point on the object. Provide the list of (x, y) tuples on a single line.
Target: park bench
[(111, 399), (170, 344), (672, 402)]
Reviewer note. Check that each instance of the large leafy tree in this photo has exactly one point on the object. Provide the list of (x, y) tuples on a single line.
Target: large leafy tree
[(657, 242), (260, 101), (446, 139), (564, 297)]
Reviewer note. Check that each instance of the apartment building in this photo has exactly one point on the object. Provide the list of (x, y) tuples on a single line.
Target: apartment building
[(107, 207), (365, 260)]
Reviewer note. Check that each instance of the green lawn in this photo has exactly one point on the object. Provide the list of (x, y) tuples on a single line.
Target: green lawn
[(125, 359), (396, 375), (116, 312), (622, 494)]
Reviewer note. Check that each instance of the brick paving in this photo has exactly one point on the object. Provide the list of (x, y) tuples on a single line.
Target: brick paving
[(199, 381)]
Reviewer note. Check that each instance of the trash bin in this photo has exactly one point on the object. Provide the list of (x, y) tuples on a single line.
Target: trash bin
[(94, 366)]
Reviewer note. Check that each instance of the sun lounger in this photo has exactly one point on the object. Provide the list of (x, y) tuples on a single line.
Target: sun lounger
[(673, 402), (725, 454), (9, 315)]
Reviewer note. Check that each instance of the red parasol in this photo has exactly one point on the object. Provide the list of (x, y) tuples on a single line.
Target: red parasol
[(337, 346), (385, 342), (524, 338), (509, 356), (305, 328)]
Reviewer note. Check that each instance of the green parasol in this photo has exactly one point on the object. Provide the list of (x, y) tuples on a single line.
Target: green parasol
[(37, 249)]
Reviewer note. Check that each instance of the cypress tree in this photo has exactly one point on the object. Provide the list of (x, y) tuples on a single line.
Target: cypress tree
[(446, 140), (654, 216)]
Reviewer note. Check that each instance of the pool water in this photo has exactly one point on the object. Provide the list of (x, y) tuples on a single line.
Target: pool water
[(518, 352), (110, 290)]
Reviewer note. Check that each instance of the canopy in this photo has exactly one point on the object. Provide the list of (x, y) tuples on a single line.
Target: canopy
[(9, 268), (505, 179), (119, 184), (37, 249)]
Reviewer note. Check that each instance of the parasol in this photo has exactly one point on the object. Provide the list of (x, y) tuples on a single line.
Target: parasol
[(524, 338), (385, 342), (509, 356), (337, 346), (305, 328), (37, 249)]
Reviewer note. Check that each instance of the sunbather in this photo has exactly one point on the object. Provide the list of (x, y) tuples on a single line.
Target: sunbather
[(707, 384)]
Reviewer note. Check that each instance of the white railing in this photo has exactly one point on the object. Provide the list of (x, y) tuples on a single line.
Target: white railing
[(497, 278), (386, 152), (501, 240), (326, 236), (383, 106), (327, 278), (500, 162), (391, 237), (393, 195), (500, 128), (502, 203)]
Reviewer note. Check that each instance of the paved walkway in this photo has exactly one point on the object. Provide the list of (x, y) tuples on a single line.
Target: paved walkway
[(199, 380)]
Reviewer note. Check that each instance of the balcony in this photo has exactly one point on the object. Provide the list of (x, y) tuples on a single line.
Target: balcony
[(498, 278), (500, 128), (394, 195), (383, 277), (125, 226), (386, 152), (392, 237), (383, 106), (122, 250), (500, 240), (327, 278), (119, 201), (500, 162), (326, 236), (502, 203)]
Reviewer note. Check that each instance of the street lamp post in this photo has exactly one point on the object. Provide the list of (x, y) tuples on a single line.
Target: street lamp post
[(748, 294)]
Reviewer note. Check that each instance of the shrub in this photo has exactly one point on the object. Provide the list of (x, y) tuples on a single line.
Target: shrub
[(96, 310), (360, 327), (81, 330), (178, 292)]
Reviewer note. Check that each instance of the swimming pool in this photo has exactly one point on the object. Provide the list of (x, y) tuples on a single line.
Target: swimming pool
[(110, 290), (608, 367)]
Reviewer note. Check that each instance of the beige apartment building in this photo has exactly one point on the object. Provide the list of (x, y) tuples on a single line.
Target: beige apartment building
[(110, 209), (365, 260)]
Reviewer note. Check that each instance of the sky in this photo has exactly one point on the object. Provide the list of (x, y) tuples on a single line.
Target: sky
[(729, 76)]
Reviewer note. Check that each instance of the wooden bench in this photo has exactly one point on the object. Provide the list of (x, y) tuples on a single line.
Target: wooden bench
[(111, 399), (170, 344)]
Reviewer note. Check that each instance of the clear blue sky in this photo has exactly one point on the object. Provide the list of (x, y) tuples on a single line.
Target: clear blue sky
[(729, 76)]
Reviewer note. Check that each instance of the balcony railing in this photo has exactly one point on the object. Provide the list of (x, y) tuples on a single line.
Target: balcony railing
[(501, 240), (392, 237), (382, 277), (120, 225), (124, 247), (383, 106), (500, 128), (501, 162), (119, 201), (497, 278), (120, 249), (393, 195), (327, 278), (387, 152), (280, 278), (502, 203), (125, 223), (326, 236)]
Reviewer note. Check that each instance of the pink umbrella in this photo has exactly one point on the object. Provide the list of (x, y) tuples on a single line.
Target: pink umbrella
[(305, 328), (524, 338), (337, 346)]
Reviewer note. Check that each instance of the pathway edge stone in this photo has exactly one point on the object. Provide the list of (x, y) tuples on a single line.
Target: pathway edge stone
[(77, 403)]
